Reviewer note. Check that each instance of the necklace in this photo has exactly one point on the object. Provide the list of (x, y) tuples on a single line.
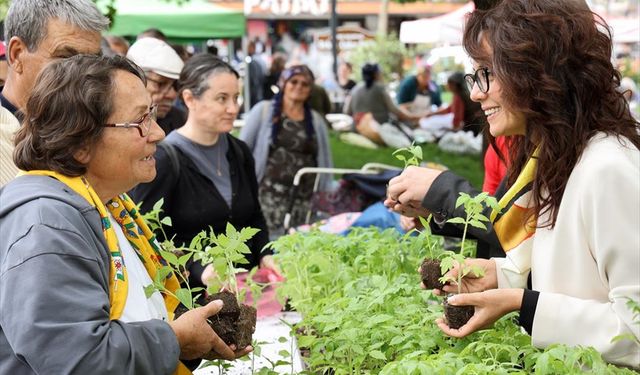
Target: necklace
[(218, 170)]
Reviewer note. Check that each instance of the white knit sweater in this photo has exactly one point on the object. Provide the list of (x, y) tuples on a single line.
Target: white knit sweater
[(8, 126)]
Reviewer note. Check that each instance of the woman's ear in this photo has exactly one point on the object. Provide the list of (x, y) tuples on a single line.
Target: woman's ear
[(83, 155), (188, 98)]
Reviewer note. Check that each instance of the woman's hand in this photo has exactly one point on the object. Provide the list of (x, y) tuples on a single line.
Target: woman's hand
[(489, 305), (208, 274), (195, 336), (268, 262), (408, 223), (406, 192), (472, 283)]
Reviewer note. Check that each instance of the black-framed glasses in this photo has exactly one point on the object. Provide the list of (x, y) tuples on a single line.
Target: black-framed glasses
[(143, 125), (480, 77), (163, 87)]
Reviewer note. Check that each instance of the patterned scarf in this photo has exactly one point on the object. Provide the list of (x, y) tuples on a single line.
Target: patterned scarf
[(508, 224), (138, 234)]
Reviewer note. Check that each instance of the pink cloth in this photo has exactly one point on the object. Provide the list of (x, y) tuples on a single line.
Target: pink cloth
[(268, 304)]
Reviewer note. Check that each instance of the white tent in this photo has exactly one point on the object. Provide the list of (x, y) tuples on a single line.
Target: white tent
[(625, 30), (444, 29)]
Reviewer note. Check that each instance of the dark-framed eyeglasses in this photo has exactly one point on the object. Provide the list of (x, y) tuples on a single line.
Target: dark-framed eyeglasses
[(479, 77), (143, 125), (165, 86)]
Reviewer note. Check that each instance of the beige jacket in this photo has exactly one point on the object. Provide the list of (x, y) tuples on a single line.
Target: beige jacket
[(8, 126), (588, 265)]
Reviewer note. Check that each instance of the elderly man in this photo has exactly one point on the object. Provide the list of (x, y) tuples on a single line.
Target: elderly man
[(418, 93), (162, 67), (37, 32)]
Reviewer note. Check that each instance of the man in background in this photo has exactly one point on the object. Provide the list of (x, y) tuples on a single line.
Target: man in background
[(38, 32), (418, 93), (162, 67)]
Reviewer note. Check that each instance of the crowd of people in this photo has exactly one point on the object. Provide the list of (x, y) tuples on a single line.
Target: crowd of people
[(94, 131)]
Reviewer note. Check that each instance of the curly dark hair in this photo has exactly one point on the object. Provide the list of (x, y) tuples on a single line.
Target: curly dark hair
[(70, 102), (553, 61)]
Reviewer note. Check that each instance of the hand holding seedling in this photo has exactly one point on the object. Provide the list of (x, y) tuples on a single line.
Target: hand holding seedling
[(195, 337), (407, 191), (411, 155), (489, 306), (471, 282)]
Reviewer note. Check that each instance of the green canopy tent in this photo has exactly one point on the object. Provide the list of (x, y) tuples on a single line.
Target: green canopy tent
[(195, 20)]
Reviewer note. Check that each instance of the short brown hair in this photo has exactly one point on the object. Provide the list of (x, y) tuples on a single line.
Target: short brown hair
[(73, 97)]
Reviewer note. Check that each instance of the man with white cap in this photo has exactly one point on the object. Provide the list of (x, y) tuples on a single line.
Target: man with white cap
[(162, 67)]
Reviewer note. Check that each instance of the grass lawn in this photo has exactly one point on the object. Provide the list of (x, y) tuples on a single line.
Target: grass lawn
[(348, 156)]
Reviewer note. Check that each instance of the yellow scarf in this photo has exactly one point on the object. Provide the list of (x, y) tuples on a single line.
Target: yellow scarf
[(508, 224), (138, 234)]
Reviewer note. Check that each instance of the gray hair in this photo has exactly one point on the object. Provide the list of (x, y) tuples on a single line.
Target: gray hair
[(27, 19), (198, 69)]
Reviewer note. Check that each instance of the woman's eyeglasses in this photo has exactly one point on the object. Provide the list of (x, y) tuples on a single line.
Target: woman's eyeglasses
[(303, 83), (480, 77), (143, 125)]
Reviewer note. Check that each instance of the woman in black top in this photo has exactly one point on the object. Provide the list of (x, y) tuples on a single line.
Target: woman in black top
[(205, 175)]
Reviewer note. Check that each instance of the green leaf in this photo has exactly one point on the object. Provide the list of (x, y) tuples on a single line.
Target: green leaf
[(456, 220), (166, 221), (170, 257), (282, 339), (481, 217), (158, 205), (306, 341), (149, 290), (185, 298), (397, 340), (284, 353), (477, 271), (184, 259), (461, 200), (230, 230), (417, 151), (248, 233), (477, 224), (378, 355), (162, 273)]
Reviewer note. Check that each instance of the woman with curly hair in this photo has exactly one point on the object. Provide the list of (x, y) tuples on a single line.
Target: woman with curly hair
[(568, 219), (284, 135)]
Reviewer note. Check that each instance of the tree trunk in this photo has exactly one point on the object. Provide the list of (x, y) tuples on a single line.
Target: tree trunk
[(383, 17)]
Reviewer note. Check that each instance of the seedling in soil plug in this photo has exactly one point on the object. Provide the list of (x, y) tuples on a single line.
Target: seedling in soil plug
[(457, 316), (235, 323), (430, 268)]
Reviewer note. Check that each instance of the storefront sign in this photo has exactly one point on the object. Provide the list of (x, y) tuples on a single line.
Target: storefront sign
[(349, 37), (288, 7)]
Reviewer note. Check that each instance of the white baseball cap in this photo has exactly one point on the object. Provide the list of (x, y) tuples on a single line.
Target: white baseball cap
[(154, 55)]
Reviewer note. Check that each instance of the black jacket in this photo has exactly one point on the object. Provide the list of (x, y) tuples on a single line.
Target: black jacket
[(441, 200), (193, 202)]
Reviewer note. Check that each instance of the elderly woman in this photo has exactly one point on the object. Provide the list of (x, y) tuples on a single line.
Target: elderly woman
[(284, 135), (568, 218), (210, 181), (75, 257)]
